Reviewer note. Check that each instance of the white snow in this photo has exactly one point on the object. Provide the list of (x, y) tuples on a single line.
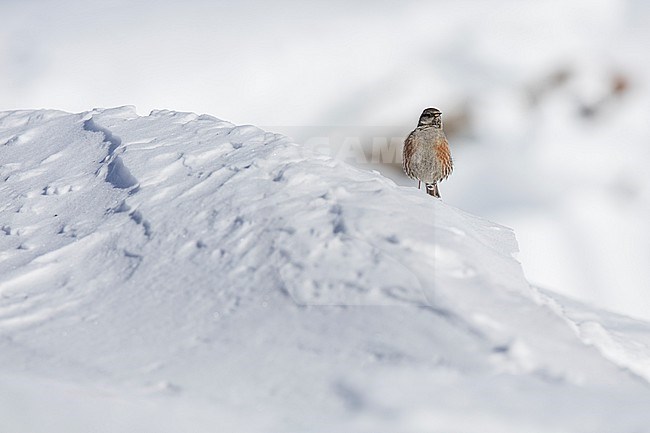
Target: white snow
[(574, 188), (175, 272)]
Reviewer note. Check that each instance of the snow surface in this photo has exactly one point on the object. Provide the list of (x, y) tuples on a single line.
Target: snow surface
[(175, 272), (574, 188)]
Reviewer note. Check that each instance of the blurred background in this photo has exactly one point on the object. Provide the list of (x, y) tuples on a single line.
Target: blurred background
[(546, 104)]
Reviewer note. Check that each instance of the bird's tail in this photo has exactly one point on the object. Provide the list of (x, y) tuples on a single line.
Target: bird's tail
[(432, 189)]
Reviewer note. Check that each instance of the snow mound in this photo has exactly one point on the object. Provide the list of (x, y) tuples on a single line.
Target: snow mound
[(175, 272)]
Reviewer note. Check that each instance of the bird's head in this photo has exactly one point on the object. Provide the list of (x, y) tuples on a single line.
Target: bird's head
[(431, 117)]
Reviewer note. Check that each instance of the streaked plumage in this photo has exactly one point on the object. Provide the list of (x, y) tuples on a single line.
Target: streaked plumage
[(426, 152)]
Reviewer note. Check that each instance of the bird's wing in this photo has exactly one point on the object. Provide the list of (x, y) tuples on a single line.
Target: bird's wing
[(444, 157), (409, 148)]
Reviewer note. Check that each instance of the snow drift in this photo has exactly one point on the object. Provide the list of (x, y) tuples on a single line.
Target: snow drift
[(175, 272)]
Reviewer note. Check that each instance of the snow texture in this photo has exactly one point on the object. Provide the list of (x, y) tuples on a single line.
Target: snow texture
[(543, 140), (175, 272)]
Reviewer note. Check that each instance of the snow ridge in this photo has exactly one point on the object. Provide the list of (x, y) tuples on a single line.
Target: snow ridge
[(179, 260), (117, 174)]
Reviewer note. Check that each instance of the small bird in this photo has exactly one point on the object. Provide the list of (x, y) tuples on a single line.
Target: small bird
[(426, 152)]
